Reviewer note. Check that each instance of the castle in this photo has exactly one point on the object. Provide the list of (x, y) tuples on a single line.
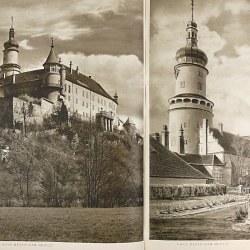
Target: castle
[(45, 87), (221, 156)]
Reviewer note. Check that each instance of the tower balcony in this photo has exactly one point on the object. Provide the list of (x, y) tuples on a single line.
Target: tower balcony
[(191, 101)]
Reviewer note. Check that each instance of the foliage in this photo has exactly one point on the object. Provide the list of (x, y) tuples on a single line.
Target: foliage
[(75, 165), (241, 213), (181, 191), (209, 202)]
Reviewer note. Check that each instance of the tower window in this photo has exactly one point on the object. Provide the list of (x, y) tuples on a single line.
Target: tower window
[(69, 88), (200, 74), (199, 86), (182, 83)]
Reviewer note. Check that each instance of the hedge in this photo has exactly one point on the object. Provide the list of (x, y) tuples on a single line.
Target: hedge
[(188, 190)]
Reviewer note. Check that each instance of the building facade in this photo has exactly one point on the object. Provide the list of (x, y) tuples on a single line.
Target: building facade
[(53, 83)]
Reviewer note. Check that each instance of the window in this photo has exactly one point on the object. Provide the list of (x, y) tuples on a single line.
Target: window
[(83, 103), (182, 83), (93, 107), (69, 88), (83, 114), (76, 90), (104, 102), (82, 93), (76, 101), (199, 86), (87, 95), (200, 74), (86, 114), (98, 100), (87, 105), (69, 98), (101, 101), (93, 98)]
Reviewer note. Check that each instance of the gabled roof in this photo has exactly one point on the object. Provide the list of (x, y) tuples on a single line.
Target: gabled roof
[(201, 159), (166, 164), (86, 82), (227, 141)]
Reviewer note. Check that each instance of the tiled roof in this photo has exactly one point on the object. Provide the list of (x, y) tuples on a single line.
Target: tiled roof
[(226, 140), (86, 82), (201, 159), (166, 164), (203, 170), (77, 78)]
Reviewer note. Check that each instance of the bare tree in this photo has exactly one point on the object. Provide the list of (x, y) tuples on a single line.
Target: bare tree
[(240, 169)]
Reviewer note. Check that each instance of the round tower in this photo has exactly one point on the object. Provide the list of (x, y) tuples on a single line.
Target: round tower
[(52, 84), (189, 107), (10, 64)]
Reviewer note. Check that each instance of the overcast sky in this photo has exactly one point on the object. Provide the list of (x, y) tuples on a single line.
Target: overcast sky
[(103, 38), (224, 35)]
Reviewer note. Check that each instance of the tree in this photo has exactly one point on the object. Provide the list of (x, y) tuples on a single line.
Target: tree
[(22, 164), (240, 169)]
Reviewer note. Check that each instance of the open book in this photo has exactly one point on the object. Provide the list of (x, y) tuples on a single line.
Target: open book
[(85, 90)]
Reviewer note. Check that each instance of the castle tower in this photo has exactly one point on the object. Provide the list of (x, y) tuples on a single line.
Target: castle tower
[(52, 84), (189, 106), (10, 64)]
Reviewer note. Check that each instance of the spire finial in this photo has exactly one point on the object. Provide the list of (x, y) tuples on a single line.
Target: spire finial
[(192, 8), (12, 22), (52, 42)]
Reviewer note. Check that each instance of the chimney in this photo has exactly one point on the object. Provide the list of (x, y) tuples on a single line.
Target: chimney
[(181, 142), (221, 128), (77, 70), (70, 67), (157, 137), (165, 136)]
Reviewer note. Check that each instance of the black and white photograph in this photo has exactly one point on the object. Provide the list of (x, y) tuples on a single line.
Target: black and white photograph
[(71, 121), (199, 120)]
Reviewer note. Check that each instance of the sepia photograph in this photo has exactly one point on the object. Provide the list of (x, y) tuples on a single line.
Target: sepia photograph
[(199, 122), (71, 121)]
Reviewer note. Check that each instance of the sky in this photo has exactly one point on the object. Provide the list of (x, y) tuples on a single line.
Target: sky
[(103, 38), (223, 34)]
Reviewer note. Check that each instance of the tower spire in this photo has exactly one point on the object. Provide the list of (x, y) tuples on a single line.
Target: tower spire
[(192, 9), (52, 42)]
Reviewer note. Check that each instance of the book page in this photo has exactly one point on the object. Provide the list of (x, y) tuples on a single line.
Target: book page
[(199, 127), (71, 125)]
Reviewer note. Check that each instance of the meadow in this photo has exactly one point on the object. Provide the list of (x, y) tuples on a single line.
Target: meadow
[(71, 224)]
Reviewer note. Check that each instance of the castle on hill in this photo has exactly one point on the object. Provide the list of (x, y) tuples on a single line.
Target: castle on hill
[(220, 156), (45, 87)]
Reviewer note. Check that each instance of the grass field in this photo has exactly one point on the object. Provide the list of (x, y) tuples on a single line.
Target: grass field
[(71, 224), (213, 225)]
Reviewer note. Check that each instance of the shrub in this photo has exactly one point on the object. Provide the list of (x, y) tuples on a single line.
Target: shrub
[(184, 191), (241, 213)]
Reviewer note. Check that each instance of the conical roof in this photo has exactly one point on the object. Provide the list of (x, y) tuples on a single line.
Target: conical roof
[(52, 58), (129, 121)]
